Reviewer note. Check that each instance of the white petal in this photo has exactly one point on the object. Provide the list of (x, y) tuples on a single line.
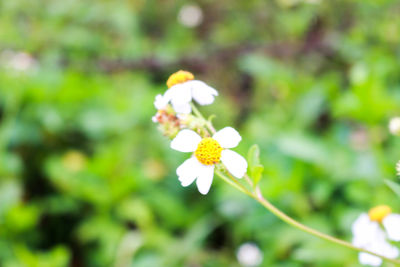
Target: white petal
[(366, 231), (188, 171), (392, 226), (368, 259), (183, 108), (388, 250), (361, 223), (186, 141), (201, 92), (234, 162), (379, 246), (204, 181), (227, 137), (160, 102), (179, 94)]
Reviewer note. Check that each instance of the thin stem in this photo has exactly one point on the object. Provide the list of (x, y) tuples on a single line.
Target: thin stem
[(259, 197), (248, 180), (232, 183), (269, 206), (198, 113)]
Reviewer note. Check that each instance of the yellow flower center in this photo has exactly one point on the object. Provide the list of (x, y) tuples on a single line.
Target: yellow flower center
[(208, 151), (378, 213), (179, 77)]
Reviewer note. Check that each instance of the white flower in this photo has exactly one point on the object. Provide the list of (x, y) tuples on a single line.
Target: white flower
[(190, 15), (182, 89), (208, 152), (394, 125), (19, 61), (249, 255), (368, 234)]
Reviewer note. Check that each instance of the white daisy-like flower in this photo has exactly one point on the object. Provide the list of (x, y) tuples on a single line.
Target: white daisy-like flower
[(183, 88), (369, 234), (208, 152)]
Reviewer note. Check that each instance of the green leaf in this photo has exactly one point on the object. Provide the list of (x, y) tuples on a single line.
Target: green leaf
[(255, 168), (394, 186), (257, 173)]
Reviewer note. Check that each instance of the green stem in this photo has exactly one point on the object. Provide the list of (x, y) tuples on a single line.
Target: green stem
[(268, 205), (235, 184), (257, 195), (207, 123)]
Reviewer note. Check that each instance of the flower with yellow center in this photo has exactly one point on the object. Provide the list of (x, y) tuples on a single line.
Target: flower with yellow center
[(378, 213), (180, 76), (372, 230), (208, 152), (183, 88)]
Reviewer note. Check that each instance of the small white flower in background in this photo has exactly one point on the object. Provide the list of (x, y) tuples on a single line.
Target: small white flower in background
[(190, 15), (394, 126), (249, 255), (183, 88), (371, 231), (398, 168), (19, 61), (208, 152)]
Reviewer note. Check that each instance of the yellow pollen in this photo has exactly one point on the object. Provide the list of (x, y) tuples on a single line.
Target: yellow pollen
[(179, 77), (378, 213), (208, 151)]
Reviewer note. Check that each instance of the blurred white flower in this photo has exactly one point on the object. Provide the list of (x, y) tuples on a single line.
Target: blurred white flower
[(249, 255), (369, 234), (208, 152), (183, 88), (19, 61), (398, 167), (394, 125), (190, 15)]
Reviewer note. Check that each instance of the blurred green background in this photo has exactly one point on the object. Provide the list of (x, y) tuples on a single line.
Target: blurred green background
[(87, 180)]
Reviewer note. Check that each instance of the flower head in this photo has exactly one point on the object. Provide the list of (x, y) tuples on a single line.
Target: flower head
[(183, 88), (371, 231), (249, 255), (208, 152)]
